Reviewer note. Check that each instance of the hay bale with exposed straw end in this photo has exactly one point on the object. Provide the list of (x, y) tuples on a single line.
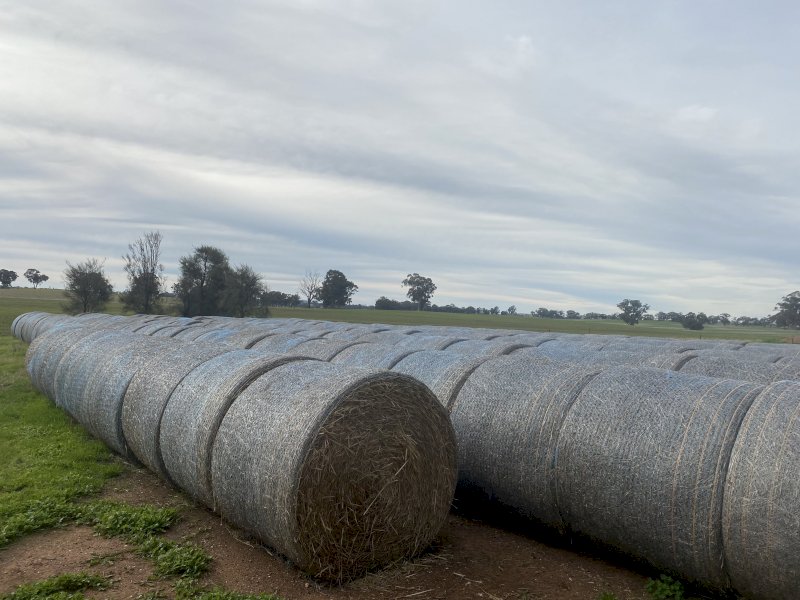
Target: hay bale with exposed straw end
[(147, 396), (507, 417), (341, 470), (641, 464), (444, 373), (761, 519), (195, 409)]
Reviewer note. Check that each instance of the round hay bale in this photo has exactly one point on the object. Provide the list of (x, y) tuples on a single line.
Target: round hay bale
[(247, 338), (372, 356), (195, 409), (44, 353), (733, 366), (674, 361), (485, 348), (761, 518), (533, 339), (47, 324), (387, 338), (783, 350), (323, 349), (282, 342), (641, 464), (444, 373), (341, 470), (507, 417), (100, 407), (195, 333), (72, 373), (147, 396), (353, 333), (26, 325), (427, 342)]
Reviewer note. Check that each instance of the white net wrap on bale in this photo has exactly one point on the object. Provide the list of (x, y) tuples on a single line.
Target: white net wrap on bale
[(761, 519), (195, 409), (744, 367), (485, 348), (341, 470), (148, 394), (372, 356), (442, 372), (282, 342), (323, 349), (507, 418), (44, 354), (114, 363), (641, 464)]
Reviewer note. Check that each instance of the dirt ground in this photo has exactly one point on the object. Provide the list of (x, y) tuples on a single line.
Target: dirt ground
[(471, 560)]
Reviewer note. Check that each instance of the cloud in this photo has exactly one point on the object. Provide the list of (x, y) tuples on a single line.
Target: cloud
[(563, 156)]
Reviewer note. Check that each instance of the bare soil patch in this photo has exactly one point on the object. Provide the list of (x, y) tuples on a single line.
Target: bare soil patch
[(471, 560)]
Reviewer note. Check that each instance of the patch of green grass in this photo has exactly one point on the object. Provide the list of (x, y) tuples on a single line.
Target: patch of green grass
[(189, 590), (665, 588), (68, 586), (607, 596), (129, 522), (174, 559)]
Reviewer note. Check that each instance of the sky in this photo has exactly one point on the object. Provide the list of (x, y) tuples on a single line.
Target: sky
[(542, 154)]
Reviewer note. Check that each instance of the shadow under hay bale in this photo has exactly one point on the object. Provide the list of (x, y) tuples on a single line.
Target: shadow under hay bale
[(444, 373), (641, 464), (761, 519), (341, 470), (147, 396), (195, 409), (507, 417)]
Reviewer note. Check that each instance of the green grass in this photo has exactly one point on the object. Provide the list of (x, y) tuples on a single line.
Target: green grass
[(67, 586)]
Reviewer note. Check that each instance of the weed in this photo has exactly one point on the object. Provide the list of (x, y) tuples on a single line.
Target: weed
[(174, 559), (189, 590), (130, 522), (665, 588), (68, 586), (607, 596)]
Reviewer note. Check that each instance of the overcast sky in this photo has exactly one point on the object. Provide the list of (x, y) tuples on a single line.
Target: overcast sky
[(560, 154)]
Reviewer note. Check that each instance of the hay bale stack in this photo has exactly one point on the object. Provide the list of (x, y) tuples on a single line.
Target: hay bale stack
[(49, 323), (761, 518), (147, 396), (427, 342), (745, 368), (372, 356), (507, 417), (324, 349), (23, 326), (116, 360), (195, 409), (444, 373), (341, 470), (45, 352), (641, 464)]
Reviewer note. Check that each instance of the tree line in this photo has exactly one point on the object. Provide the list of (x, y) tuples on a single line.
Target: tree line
[(209, 284)]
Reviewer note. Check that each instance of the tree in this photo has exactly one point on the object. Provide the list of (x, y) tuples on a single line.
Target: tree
[(788, 308), (243, 291), (35, 277), (145, 274), (201, 286), (420, 289), (572, 314), (693, 321), (336, 289), (511, 310), (310, 285), (7, 277), (86, 287), (632, 311), (275, 298)]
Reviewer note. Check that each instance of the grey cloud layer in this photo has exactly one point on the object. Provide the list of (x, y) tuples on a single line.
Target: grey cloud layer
[(518, 153)]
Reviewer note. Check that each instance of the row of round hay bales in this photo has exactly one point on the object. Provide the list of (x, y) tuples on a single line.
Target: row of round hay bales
[(562, 441), (342, 470)]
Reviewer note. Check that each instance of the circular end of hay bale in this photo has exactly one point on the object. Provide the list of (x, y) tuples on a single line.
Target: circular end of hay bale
[(393, 484), (341, 470)]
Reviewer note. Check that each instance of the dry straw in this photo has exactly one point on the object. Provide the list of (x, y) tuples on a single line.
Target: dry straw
[(147, 396), (507, 417), (341, 470), (444, 373), (761, 519), (195, 409), (641, 465)]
